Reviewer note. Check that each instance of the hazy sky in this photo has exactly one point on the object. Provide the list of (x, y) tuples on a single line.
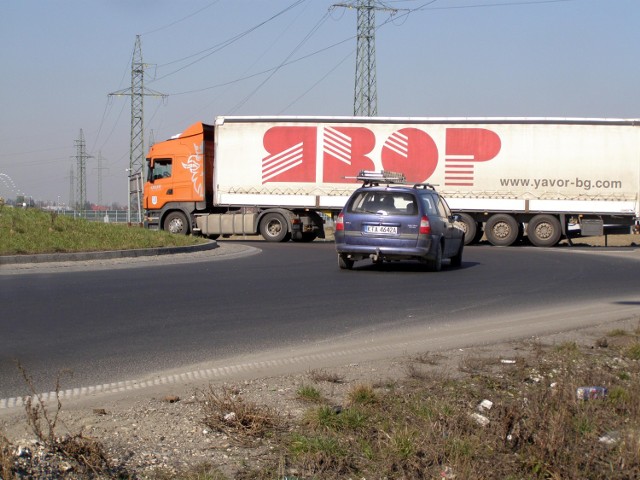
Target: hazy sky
[(490, 58)]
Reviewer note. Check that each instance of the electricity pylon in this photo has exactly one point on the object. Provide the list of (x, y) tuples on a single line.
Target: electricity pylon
[(100, 169), (137, 92), (81, 169), (365, 101), (72, 181)]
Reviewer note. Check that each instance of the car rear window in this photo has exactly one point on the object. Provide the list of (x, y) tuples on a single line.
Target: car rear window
[(429, 203), (383, 202)]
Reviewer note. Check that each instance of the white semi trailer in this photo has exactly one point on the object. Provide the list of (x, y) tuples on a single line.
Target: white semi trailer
[(506, 177)]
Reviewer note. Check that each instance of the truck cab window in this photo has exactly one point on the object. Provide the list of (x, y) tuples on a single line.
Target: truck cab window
[(161, 169)]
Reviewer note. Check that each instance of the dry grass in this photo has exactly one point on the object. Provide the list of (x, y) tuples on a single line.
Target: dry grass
[(71, 454), (429, 425), (243, 421), (324, 376), (7, 457)]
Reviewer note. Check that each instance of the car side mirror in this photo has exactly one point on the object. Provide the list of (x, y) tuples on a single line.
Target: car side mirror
[(455, 218)]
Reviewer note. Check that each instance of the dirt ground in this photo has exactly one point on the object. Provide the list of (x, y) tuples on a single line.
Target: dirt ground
[(162, 427)]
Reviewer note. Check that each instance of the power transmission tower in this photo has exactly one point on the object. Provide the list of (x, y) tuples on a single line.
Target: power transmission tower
[(81, 170), (100, 169), (72, 182), (137, 92), (365, 101)]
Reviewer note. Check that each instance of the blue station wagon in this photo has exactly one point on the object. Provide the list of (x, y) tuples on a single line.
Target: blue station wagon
[(386, 221)]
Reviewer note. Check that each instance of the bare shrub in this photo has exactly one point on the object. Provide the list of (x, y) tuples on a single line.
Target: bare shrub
[(324, 376), (7, 458), (86, 455), (226, 411)]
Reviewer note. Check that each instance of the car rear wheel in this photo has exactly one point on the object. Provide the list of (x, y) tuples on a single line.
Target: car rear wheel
[(344, 262), (456, 260), (435, 264)]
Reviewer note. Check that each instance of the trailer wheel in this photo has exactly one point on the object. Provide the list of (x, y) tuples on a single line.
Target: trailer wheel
[(544, 230), (176, 222), (273, 228), (502, 230), (470, 227)]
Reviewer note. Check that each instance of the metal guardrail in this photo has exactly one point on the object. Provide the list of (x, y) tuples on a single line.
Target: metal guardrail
[(106, 216)]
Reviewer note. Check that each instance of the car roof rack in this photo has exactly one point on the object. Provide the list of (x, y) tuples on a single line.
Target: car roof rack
[(372, 177), (426, 186)]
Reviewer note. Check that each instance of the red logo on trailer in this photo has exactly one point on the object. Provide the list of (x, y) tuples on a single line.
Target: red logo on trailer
[(347, 150), (465, 147)]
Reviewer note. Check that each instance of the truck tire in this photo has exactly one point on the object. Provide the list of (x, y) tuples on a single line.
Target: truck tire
[(502, 230), (308, 237), (544, 230), (176, 222), (274, 228), (470, 227)]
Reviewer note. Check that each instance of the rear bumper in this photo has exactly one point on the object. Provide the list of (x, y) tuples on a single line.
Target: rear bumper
[(359, 252)]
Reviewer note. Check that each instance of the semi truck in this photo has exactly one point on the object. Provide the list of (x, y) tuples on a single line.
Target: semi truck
[(506, 178)]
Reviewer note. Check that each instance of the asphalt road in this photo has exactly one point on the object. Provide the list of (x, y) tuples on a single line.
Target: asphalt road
[(95, 326)]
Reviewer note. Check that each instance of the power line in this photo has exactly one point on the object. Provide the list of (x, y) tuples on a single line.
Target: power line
[(181, 19), (216, 48), (273, 72)]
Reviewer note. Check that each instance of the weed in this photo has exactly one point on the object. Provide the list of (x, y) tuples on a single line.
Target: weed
[(243, 421), (324, 376), (309, 394), (633, 351), (86, 454), (39, 419), (204, 471), (416, 373), (7, 458), (568, 348), (617, 332), (362, 395), (428, 358)]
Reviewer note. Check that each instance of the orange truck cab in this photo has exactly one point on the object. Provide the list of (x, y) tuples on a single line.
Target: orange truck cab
[(179, 171)]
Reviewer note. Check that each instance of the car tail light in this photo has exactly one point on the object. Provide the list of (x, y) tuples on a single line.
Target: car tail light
[(340, 222), (425, 226)]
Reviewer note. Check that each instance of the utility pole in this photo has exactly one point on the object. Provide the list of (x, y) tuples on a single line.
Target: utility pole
[(81, 170), (137, 92), (365, 101)]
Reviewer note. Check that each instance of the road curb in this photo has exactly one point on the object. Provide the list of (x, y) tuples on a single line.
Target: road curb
[(111, 254)]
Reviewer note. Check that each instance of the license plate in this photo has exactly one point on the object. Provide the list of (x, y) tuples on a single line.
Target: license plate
[(381, 229)]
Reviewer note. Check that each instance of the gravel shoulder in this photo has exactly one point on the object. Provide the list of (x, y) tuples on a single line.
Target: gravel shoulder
[(162, 426)]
